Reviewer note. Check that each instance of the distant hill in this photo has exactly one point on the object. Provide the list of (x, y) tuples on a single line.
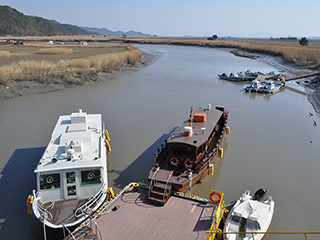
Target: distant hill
[(107, 32), (15, 23), (73, 29)]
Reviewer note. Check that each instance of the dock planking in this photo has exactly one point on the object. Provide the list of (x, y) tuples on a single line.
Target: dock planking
[(136, 218)]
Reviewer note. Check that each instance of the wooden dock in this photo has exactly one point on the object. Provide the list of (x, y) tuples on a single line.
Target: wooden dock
[(302, 76), (131, 216)]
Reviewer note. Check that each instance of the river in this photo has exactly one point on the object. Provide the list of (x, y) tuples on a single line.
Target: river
[(273, 142)]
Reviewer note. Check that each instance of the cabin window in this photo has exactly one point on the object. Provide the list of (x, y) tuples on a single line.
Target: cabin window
[(253, 225), (71, 177), (49, 181), (201, 149), (186, 152), (236, 219), (90, 177)]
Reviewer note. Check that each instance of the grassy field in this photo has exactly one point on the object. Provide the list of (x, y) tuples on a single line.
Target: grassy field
[(37, 58), (40, 60)]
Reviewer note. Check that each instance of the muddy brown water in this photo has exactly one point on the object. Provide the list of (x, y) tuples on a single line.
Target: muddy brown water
[(273, 144)]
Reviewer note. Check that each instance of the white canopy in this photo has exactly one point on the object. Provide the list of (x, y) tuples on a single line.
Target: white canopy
[(252, 210)]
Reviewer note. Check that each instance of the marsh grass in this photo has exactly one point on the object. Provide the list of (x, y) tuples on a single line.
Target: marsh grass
[(69, 69), (55, 50), (289, 51), (4, 54)]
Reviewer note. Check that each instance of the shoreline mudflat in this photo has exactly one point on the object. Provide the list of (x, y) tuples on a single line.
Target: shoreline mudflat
[(20, 88)]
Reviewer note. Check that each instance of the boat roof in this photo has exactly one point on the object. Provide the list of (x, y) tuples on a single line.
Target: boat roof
[(253, 210), (75, 143), (201, 130)]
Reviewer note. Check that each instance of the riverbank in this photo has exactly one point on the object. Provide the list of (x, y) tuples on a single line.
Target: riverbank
[(21, 87)]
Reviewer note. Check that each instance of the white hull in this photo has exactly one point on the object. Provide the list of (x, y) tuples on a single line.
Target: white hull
[(71, 175), (248, 216)]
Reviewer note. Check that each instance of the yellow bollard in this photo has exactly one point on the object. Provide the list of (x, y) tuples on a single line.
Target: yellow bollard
[(135, 186), (111, 193)]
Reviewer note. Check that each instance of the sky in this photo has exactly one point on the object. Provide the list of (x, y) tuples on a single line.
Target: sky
[(235, 18)]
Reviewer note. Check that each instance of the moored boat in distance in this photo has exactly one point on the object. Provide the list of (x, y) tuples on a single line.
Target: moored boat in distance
[(271, 87), (249, 216), (240, 76), (188, 154), (264, 86), (72, 181), (255, 86)]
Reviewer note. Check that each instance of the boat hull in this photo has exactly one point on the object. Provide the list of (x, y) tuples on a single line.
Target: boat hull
[(181, 179), (246, 227)]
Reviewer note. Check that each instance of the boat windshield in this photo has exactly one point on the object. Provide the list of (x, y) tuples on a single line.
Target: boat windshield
[(182, 151), (49, 181), (90, 177), (252, 225), (236, 219)]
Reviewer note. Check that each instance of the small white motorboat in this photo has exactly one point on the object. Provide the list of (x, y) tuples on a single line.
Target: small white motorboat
[(249, 216), (255, 86), (271, 87)]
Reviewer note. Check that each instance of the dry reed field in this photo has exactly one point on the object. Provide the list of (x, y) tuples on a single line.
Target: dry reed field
[(290, 51), (4, 54), (71, 62), (36, 59)]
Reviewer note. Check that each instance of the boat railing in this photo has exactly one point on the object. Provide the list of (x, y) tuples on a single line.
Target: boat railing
[(214, 230), (94, 201), (167, 182), (305, 234), (96, 224), (151, 182), (64, 235), (45, 214), (103, 209)]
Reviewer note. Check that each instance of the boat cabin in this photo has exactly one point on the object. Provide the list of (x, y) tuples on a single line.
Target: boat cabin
[(73, 165), (189, 144)]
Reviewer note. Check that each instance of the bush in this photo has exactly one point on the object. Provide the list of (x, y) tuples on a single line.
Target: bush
[(304, 41), (214, 37)]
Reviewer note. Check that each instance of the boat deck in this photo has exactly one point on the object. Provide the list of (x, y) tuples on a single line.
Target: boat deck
[(63, 211), (136, 218)]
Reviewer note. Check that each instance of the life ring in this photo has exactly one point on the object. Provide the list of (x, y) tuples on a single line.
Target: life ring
[(188, 164), (215, 197), (174, 162)]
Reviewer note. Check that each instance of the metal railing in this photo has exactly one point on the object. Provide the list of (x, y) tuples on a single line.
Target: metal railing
[(65, 227), (165, 193), (45, 214), (92, 202), (93, 220), (151, 182), (214, 230), (305, 234), (103, 209)]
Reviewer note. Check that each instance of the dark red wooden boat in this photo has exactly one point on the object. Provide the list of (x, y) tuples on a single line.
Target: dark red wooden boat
[(188, 154)]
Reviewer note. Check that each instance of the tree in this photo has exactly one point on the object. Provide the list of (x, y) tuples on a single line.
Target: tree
[(214, 37), (304, 41)]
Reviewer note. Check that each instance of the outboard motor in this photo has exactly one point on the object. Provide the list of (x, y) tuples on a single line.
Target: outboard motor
[(259, 194)]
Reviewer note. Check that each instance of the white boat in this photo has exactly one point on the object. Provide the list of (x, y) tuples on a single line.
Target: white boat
[(72, 181), (249, 216), (255, 86), (271, 87)]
